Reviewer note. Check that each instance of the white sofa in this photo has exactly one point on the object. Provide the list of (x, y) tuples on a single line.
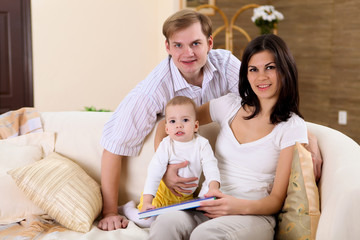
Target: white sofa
[(78, 135)]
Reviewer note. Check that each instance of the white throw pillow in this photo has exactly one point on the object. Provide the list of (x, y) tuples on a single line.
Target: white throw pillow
[(17, 152), (44, 139), (14, 205)]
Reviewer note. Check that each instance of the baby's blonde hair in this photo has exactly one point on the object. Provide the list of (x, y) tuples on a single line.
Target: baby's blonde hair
[(180, 100)]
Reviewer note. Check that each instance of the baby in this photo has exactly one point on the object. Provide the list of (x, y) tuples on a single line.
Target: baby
[(182, 144)]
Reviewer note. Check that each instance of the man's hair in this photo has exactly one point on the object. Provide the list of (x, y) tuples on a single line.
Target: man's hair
[(183, 19), (181, 100)]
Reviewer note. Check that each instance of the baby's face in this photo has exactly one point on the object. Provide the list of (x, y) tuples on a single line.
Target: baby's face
[(180, 122)]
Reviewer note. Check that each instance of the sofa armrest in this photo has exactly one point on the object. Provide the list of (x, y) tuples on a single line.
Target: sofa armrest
[(339, 185)]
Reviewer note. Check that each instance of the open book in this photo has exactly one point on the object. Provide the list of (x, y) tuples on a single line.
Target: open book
[(193, 203)]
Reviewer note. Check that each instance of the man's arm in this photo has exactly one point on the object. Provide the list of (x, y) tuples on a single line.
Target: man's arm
[(110, 175), (314, 149)]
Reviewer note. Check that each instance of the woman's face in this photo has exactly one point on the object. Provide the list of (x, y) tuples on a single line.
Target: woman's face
[(263, 75)]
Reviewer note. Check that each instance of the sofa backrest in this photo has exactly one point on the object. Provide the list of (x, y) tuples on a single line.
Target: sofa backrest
[(78, 137)]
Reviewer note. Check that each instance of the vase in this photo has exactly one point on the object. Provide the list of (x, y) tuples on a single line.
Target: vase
[(265, 30), (267, 27)]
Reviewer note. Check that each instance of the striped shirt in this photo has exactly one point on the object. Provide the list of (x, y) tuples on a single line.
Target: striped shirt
[(136, 115)]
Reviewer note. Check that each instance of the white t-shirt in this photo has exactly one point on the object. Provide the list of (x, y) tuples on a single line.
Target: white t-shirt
[(248, 170), (197, 151)]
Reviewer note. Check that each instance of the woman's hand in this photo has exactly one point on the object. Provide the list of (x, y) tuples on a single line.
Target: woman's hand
[(222, 206), (175, 183)]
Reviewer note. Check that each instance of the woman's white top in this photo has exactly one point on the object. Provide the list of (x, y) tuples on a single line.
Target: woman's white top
[(248, 170)]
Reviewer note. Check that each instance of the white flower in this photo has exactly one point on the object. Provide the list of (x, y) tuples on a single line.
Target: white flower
[(279, 15), (267, 13)]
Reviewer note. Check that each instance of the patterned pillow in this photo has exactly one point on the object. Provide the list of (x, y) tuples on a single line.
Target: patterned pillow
[(62, 189), (300, 214)]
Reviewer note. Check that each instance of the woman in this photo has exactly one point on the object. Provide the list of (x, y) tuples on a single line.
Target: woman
[(254, 148)]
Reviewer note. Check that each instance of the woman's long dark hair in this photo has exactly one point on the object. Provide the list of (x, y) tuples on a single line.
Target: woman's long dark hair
[(288, 101)]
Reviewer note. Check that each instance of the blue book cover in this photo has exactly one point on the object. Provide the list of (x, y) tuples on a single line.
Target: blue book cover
[(193, 203)]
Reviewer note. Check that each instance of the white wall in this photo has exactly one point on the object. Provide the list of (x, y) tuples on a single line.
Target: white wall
[(93, 52)]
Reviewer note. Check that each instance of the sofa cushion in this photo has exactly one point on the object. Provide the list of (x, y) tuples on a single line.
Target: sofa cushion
[(16, 152), (62, 189), (300, 214)]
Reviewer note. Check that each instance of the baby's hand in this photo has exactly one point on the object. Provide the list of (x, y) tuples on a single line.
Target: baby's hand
[(213, 189), (213, 192), (147, 206)]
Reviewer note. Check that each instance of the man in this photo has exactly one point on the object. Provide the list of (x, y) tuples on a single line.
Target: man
[(192, 69)]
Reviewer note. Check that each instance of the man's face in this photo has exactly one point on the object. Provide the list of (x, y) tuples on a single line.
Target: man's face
[(189, 48)]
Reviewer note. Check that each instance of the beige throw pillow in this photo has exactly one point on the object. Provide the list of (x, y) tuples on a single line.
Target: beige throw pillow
[(300, 214), (62, 189)]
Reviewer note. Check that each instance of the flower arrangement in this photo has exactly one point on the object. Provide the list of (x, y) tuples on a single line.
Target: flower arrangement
[(266, 18)]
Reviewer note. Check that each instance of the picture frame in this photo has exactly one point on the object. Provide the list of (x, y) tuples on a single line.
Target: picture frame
[(192, 4)]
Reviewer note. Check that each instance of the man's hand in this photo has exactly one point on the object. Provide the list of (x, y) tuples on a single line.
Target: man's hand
[(314, 149), (113, 221), (175, 183)]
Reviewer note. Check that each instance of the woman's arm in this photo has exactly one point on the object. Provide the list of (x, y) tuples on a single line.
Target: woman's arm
[(203, 114), (228, 205), (273, 203)]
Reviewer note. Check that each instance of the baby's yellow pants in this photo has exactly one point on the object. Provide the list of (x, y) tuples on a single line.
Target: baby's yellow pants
[(165, 197)]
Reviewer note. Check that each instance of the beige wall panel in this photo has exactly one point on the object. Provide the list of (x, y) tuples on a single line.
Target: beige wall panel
[(93, 52)]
